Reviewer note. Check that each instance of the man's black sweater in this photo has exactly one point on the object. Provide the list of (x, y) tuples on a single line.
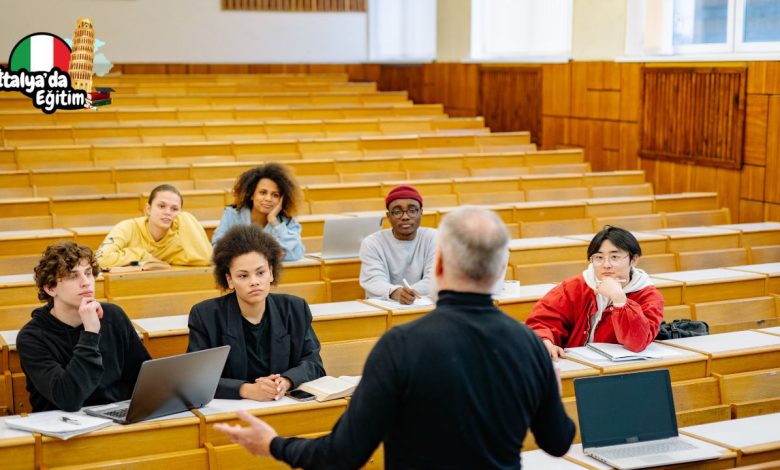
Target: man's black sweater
[(457, 388), (68, 368)]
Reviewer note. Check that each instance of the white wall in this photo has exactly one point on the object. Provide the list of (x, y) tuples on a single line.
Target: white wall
[(192, 31), (453, 30), (599, 30), (402, 30)]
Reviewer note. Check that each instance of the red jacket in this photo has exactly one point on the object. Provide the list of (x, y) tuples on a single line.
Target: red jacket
[(563, 316)]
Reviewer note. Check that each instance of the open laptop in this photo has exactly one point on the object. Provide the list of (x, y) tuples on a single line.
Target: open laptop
[(628, 421), (341, 238), (169, 385)]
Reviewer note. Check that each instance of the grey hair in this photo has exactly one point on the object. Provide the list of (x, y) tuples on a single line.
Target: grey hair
[(475, 242)]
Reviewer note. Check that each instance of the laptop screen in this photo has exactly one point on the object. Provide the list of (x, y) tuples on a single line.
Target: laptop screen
[(625, 408)]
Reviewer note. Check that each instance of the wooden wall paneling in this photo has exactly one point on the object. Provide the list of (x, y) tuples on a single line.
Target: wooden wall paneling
[(363, 72), (595, 144), (578, 136), (750, 211), (629, 146), (611, 135), (728, 189), (611, 76), (556, 131), (772, 180), (610, 159), (756, 77), (630, 92), (455, 86), (594, 75), (772, 212), (650, 167), (579, 89), (608, 106), (704, 179), (772, 78), (752, 183), (402, 77), (510, 98), (556, 89), (681, 177), (694, 114), (756, 114)]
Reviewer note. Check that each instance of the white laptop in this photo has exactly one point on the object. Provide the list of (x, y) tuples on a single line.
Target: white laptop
[(628, 421), (341, 238)]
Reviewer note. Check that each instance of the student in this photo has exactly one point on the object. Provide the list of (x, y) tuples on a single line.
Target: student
[(165, 233), (76, 351), (266, 196), (612, 301), (404, 252), (273, 348), (457, 388)]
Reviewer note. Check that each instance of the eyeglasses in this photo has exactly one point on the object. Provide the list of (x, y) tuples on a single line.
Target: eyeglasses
[(411, 212), (598, 260)]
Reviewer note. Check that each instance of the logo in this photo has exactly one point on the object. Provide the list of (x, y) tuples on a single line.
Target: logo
[(38, 68), (54, 75)]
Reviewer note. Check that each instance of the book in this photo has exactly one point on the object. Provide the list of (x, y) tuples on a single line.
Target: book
[(149, 265), (330, 388), (58, 424), (618, 353)]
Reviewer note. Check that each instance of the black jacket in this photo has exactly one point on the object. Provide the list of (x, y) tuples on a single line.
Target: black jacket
[(294, 348), (68, 368), (457, 388)]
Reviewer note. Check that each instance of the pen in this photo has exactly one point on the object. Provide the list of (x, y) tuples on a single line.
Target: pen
[(406, 284), (65, 419)]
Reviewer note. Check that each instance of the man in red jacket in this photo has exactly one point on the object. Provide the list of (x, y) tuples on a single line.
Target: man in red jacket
[(612, 301)]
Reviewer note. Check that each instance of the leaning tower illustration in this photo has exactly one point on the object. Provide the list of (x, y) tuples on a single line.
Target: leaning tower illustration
[(82, 55)]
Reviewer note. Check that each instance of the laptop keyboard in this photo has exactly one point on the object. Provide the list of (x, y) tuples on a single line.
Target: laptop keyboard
[(120, 413), (647, 448)]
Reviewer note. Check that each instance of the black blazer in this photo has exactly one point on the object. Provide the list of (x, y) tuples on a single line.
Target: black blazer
[(294, 348)]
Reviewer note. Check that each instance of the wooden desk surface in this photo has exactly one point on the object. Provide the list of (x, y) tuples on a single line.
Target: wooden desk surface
[(168, 434), (727, 460), (737, 351), (571, 370), (756, 438), (682, 364), (541, 460), (287, 416), (519, 304), (706, 285), (17, 448)]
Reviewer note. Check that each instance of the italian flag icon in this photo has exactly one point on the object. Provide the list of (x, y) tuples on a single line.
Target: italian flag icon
[(40, 52)]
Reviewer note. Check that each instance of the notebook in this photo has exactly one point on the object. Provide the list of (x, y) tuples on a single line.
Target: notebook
[(58, 424), (341, 238), (628, 421), (329, 388), (618, 353), (169, 385)]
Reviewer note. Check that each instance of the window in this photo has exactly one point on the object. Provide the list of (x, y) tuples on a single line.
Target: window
[(402, 30), (702, 26), (511, 29)]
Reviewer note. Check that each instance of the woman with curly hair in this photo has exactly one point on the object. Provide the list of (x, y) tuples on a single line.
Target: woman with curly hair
[(76, 351), (266, 196), (273, 347)]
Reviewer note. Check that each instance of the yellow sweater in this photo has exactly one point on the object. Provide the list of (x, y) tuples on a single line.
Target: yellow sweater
[(129, 241)]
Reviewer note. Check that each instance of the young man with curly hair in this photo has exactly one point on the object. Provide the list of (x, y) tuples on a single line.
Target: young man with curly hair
[(75, 350)]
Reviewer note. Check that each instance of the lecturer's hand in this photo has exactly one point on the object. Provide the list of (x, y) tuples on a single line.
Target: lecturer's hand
[(404, 295), (554, 351), (255, 438)]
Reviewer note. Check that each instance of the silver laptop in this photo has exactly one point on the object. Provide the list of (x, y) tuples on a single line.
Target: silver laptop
[(341, 238), (169, 385), (628, 421)]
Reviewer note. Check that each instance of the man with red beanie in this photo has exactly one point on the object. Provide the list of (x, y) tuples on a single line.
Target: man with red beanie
[(403, 253)]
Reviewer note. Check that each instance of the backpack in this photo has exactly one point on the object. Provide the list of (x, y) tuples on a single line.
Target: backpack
[(682, 329)]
